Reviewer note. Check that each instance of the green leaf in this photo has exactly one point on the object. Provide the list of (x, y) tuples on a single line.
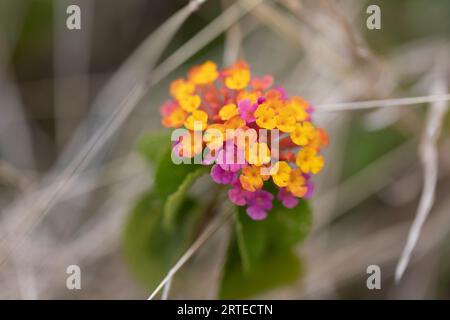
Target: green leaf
[(282, 229), (278, 268), (152, 146), (172, 181), (264, 247), (175, 200), (150, 249), (169, 176)]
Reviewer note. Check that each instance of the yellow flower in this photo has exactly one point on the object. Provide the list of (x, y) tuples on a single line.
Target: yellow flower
[(175, 119), (238, 79), (258, 154), (280, 173), (197, 120), (251, 178), (297, 183), (303, 133), (190, 103), (250, 95), (286, 119), (235, 122), (299, 106), (228, 111), (214, 136), (205, 73), (309, 161), (189, 146), (180, 88), (274, 100), (319, 139), (265, 117)]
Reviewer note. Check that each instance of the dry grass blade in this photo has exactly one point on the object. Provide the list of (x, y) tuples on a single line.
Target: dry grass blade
[(374, 177), (272, 17), (382, 103), (429, 159), (61, 183), (166, 290), (201, 39), (43, 197), (207, 233), (233, 41)]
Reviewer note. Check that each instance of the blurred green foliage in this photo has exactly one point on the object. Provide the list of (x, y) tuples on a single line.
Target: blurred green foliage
[(364, 147), (151, 249), (261, 255), (150, 246), (152, 146), (407, 20)]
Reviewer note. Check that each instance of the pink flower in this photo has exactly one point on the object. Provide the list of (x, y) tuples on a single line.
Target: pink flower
[(221, 176), (287, 199), (261, 100), (231, 158), (282, 91), (167, 108), (310, 191), (237, 195), (246, 110), (310, 110), (259, 204), (262, 83)]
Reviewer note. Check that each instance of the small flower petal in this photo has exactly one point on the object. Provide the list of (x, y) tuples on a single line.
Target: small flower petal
[(228, 111)]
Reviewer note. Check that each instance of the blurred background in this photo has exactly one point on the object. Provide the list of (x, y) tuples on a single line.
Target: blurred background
[(74, 103)]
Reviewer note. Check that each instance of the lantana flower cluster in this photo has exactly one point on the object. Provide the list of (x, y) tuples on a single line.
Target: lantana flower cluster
[(284, 158)]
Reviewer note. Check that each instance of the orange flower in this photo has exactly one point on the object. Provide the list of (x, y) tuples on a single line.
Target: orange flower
[(297, 183), (238, 76), (205, 73), (309, 161), (252, 179), (197, 120), (181, 88)]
